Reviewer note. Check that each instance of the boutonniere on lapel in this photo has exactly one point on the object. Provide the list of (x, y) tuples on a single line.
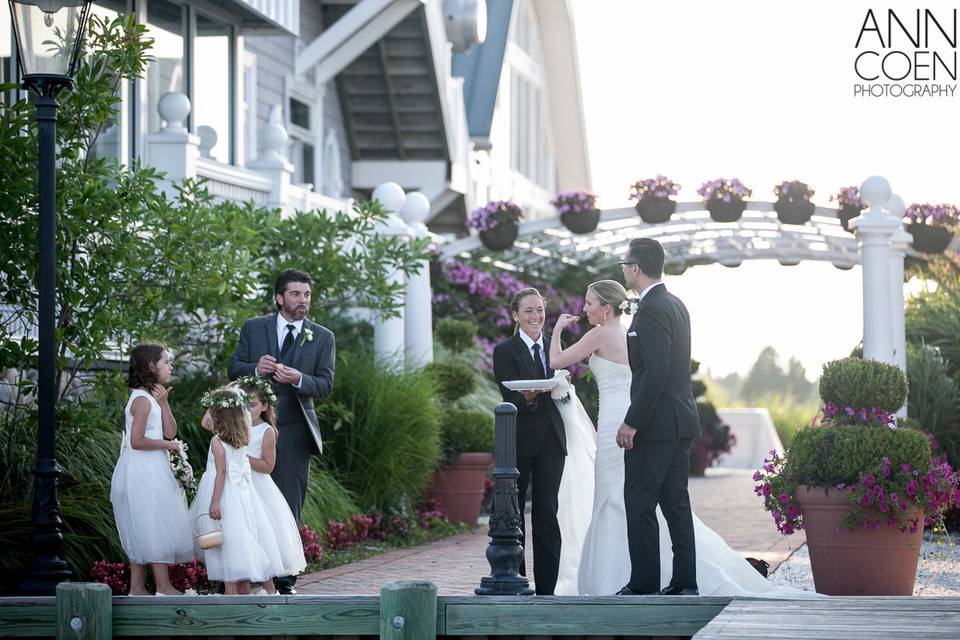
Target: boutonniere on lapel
[(306, 337), (630, 305)]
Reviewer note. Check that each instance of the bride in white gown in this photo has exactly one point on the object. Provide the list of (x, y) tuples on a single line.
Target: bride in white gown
[(594, 558)]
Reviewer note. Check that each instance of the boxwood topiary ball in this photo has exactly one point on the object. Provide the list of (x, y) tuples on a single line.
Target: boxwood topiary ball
[(862, 384)]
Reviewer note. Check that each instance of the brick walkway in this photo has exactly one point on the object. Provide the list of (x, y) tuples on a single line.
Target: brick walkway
[(724, 500)]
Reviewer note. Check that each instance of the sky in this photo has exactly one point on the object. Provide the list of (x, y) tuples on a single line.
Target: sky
[(761, 91)]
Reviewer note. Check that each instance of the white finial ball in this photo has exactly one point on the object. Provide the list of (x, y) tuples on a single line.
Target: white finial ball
[(208, 139), (875, 191), (390, 195), (174, 107), (416, 208), (273, 139), (896, 206)]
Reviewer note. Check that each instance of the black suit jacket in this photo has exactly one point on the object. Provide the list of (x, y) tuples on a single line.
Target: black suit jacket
[(658, 344), (512, 361)]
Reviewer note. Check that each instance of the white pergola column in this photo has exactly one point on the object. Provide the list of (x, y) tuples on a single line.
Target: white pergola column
[(418, 296), (900, 241), (388, 333), (874, 228)]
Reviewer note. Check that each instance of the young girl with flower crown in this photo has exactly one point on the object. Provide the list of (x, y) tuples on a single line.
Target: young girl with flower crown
[(262, 452), (148, 503), (225, 493)]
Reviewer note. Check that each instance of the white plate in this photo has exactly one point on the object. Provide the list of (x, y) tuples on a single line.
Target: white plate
[(531, 385)]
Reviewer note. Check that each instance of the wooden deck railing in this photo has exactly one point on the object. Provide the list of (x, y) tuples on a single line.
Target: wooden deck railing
[(409, 610)]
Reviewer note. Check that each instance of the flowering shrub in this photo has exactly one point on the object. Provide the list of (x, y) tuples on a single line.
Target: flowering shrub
[(849, 197), (115, 575), (493, 214), (575, 202), (311, 545), (793, 188), (190, 575), (184, 576), (659, 187), (886, 472), (723, 189), (935, 215)]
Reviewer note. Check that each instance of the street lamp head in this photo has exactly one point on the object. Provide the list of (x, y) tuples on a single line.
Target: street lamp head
[(49, 39)]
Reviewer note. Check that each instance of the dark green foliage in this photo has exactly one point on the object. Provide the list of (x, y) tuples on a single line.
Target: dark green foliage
[(456, 335), (825, 456), (863, 384), (466, 432), (934, 399), (454, 380), (326, 499), (383, 430)]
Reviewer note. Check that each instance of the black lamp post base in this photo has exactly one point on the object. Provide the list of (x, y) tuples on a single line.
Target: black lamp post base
[(504, 586), (42, 577)]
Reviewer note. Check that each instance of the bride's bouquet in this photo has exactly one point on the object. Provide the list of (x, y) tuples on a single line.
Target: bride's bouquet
[(182, 470)]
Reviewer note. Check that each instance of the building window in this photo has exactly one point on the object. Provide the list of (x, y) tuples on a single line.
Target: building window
[(167, 24), (212, 95), (114, 140), (302, 140)]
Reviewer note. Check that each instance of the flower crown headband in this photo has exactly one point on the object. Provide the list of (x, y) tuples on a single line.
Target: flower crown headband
[(236, 399), (262, 384)]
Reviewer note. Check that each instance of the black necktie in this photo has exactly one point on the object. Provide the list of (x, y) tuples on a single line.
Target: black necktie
[(287, 341), (537, 361)]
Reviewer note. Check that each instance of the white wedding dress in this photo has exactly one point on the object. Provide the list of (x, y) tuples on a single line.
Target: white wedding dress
[(594, 558)]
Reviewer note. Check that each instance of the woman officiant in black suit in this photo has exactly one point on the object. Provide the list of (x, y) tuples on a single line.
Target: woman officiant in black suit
[(541, 441)]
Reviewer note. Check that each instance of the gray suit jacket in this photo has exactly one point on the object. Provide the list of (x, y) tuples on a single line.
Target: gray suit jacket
[(314, 359)]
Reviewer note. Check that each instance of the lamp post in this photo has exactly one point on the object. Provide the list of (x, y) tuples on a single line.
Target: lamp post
[(49, 37)]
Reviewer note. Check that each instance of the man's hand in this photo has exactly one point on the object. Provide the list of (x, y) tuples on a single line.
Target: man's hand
[(286, 375), (625, 436), (265, 366)]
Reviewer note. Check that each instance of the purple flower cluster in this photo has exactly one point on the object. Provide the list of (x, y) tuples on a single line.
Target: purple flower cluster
[(937, 215), (486, 348), (777, 493), (793, 188), (476, 281), (725, 189), (902, 497), (575, 202), (849, 197), (659, 187), (493, 214), (872, 415)]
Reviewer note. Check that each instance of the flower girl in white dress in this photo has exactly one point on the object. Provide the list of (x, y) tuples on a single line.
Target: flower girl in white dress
[(262, 452), (225, 493), (148, 503)]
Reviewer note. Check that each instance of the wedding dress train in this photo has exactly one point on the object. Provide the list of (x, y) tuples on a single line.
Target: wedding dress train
[(594, 558)]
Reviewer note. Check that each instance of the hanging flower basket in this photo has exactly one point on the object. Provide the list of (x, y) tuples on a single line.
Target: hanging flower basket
[(793, 204), (846, 213), (653, 198), (850, 205), (929, 239), (932, 226), (578, 210), (500, 238), (655, 210), (724, 198), (496, 223), (721, 211)]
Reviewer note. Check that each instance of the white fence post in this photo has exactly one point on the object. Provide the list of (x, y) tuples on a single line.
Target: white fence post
[(900, 241), (173, 149), (272, 161), (418, 296)]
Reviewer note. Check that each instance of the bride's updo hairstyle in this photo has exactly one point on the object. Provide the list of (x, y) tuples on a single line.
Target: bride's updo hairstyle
[(609, 292), (518, 298)]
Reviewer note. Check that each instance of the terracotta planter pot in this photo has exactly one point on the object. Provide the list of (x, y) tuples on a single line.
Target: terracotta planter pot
[(721, 211), (655, 210), (846, 213), (501, 237), (459, 487), (929, 239), (866, 561), (583, 222), (792, 210)]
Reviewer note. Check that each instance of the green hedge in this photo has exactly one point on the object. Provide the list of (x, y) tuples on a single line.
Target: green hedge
[(465, 431), (862, 384), (454, 380)]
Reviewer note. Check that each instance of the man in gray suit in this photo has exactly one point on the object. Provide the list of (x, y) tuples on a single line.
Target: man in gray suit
[(297, 355)]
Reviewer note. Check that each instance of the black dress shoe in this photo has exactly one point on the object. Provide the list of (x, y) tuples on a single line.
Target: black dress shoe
[(678, 591), (286, 590), (627, 591)]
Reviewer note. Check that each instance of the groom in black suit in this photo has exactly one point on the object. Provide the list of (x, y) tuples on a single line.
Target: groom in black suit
[(662, 421), (541, 439), (297, 355)]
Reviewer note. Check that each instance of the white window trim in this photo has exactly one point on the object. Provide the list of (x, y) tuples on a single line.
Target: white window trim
[(299, 89), (248, 147)]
